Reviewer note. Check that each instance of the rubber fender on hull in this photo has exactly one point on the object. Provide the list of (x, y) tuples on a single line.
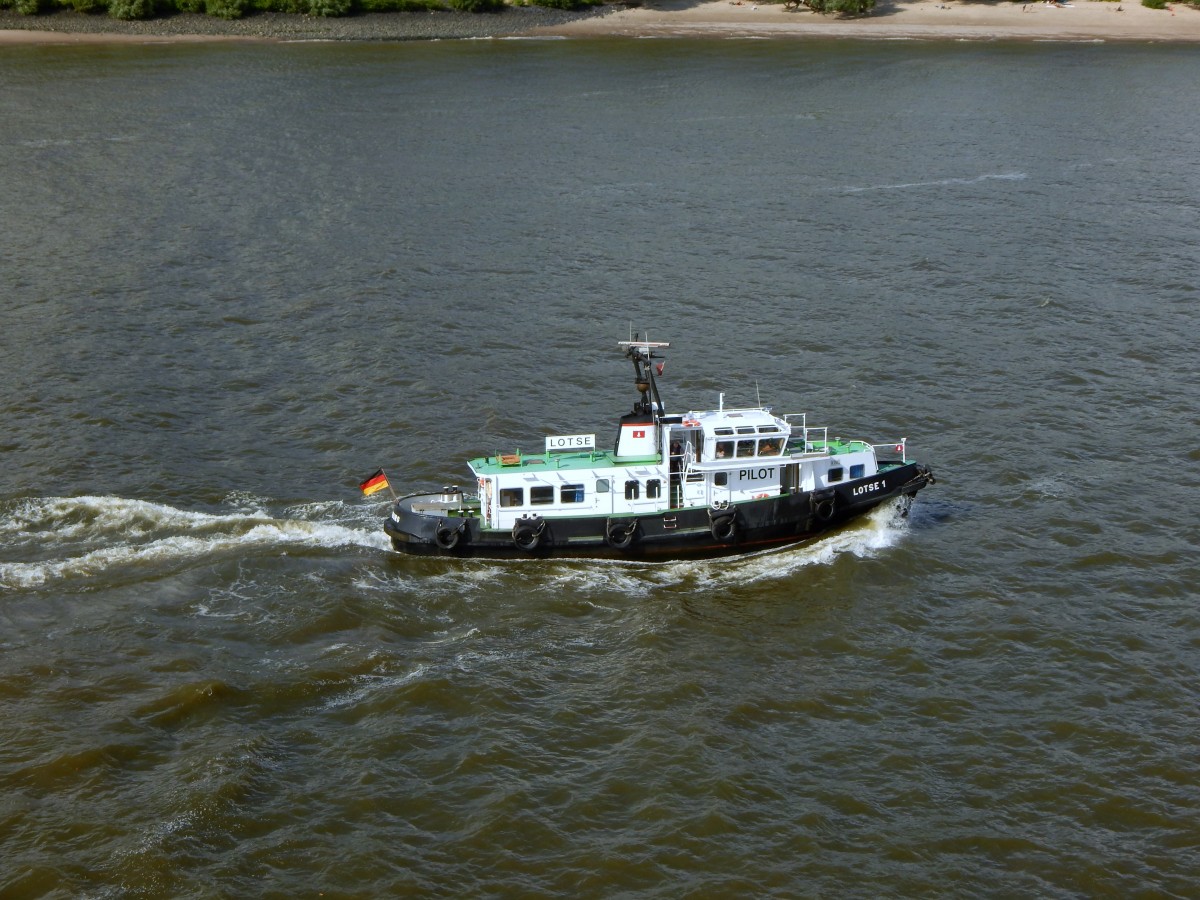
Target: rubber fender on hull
[(723, 524), (448, 534), (824, 505), (527, 533), (620, 533)]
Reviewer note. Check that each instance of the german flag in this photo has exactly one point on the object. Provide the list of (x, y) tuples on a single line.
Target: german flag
[(376, 482)]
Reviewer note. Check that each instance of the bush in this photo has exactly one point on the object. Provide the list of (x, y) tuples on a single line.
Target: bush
[(842, 7), (400, 5), (89, 7), (131, 9), (331, 7), (297, 7), (568, 4), (28, 7), (477, 6), (1155, 4), (227, 9)]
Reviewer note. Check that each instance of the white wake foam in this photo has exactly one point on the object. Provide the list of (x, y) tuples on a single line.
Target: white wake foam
[(882, 528), (86, 537), (941, 182)]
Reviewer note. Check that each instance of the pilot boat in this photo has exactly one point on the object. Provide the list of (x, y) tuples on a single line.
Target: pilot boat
[(702, 483)]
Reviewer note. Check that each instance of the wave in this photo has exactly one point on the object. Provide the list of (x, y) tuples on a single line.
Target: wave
[(879, 530), (942, 182), (86, 537)]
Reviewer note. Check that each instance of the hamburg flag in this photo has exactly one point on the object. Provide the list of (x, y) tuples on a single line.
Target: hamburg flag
[(376, 482)]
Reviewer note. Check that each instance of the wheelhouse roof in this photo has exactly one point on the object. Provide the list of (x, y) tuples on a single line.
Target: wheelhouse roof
[(761, 420)]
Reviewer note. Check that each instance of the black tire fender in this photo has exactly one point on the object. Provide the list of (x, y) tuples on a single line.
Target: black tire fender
[(527, 533), (447, 536), (724, 526), (620, 534)]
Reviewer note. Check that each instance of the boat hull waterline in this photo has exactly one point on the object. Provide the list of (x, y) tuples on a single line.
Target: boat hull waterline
[(677, 534)]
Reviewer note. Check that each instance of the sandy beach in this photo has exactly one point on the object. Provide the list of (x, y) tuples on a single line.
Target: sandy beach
[(1080, 20)]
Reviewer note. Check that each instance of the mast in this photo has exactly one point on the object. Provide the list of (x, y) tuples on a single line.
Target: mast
[(641, 354)]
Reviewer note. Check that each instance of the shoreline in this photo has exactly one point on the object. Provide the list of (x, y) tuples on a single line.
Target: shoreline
[(65, 27), (944, 20)]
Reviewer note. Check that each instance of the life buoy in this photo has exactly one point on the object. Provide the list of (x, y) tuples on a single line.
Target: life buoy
[(527, 533), (724, 528), (447, 537), (620, 534)]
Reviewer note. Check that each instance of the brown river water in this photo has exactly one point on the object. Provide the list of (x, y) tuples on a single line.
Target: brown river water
[(236, 280)]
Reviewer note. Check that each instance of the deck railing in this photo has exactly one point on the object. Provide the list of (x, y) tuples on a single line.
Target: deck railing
[(900, 446), (806, 439)]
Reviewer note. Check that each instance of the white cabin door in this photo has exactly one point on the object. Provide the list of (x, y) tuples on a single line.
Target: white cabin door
[(718, 493)]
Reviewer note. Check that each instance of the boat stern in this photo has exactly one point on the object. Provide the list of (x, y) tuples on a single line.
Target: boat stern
[(441, 522)]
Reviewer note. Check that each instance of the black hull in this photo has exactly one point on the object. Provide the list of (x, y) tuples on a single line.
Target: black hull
[(691, 533)]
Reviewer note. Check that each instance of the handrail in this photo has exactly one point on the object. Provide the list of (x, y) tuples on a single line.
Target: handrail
[(902, 447), (816, 435)]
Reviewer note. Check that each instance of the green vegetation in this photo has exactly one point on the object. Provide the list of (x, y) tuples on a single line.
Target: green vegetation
[(842, 7), (1155, 4), (399, 5), (236, 9), (477, 6), (128, 9)]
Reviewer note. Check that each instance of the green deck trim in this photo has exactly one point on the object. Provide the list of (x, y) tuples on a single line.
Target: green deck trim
[(558, 462), (833, 447), (604, 459)]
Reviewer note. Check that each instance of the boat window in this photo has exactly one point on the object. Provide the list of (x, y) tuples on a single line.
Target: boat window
[(541, 495), (745, 429), (603, 486), (512, 496), (835, 475), (858, 471), (571, 493), (632, 490), (722, 431), (768, 429), (693, 476), (746, 448), (721, 479), (724, 449), (653, 489), (770, 447)]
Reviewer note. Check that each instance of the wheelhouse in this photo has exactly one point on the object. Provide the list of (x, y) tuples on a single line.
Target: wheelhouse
[(699, 459)]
